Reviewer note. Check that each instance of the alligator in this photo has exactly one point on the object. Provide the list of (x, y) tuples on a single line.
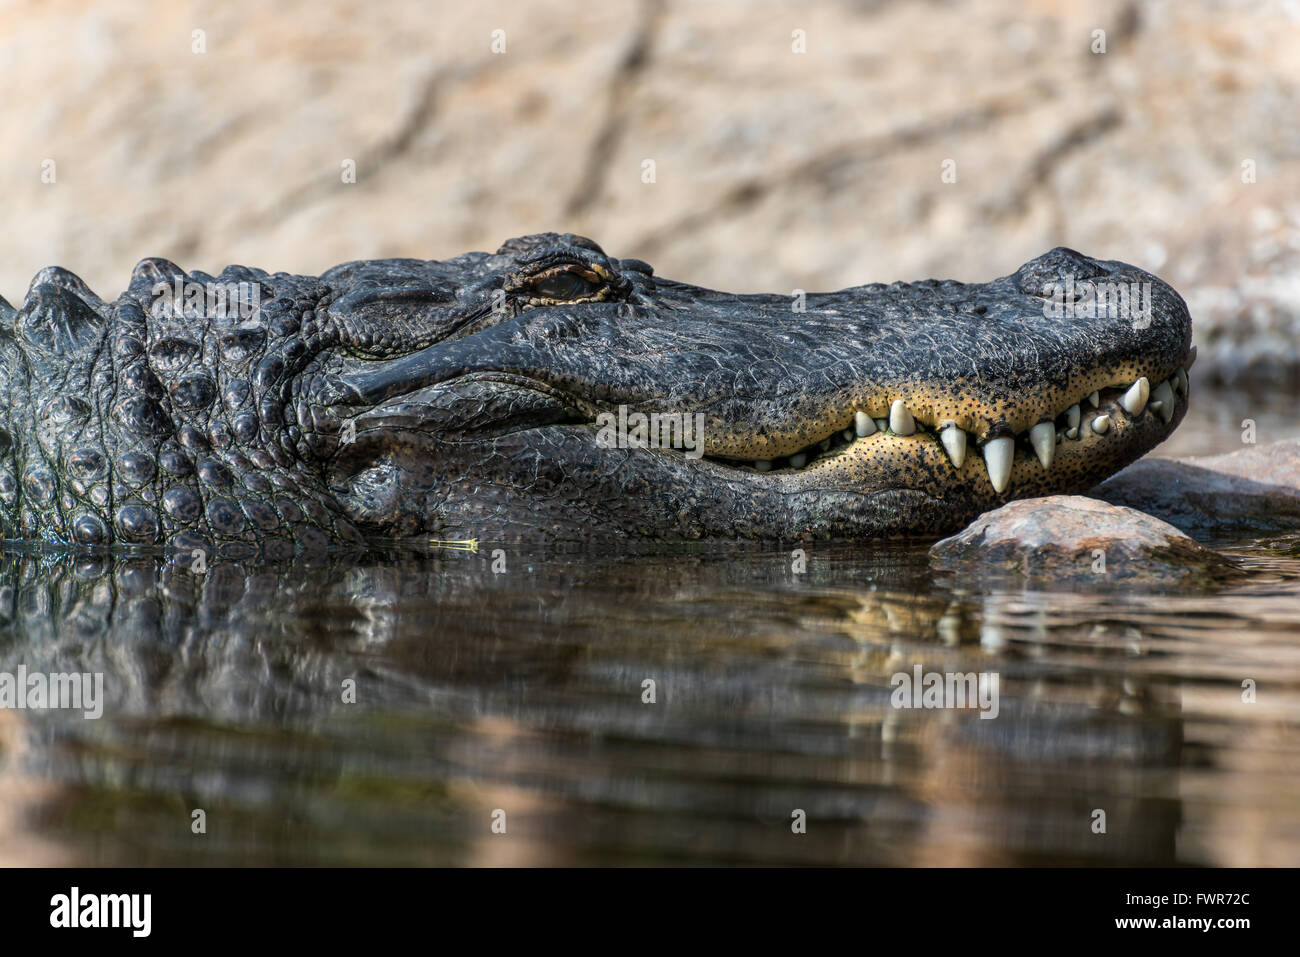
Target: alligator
[(470, 399)]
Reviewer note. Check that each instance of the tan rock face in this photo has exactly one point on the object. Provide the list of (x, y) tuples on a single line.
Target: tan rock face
[(905, 141), (1080, 540)]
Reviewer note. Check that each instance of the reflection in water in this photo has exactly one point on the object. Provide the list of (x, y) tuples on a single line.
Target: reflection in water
[(523, 692)]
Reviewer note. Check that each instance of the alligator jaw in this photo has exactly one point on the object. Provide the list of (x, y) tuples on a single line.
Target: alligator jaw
[(881, 484), (1081, 445)]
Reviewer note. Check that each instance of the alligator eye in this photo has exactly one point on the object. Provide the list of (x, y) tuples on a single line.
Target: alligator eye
[(565, 285)]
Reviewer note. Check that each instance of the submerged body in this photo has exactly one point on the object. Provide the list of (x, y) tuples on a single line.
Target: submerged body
[(474, 398)]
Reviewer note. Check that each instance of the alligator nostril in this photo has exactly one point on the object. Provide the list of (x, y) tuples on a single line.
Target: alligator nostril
[(981, 310)]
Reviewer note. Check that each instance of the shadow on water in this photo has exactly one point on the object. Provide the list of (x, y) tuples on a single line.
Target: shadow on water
[(522, 691)]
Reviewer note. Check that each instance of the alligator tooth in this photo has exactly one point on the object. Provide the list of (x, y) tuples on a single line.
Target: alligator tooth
[(1164, 394), (798, 460), (1095, 399), (1180, 381), (1135, 399), (824, 445), (1072, 417), (1072, 433), (763, 465), (1101, 424), (998, 454), (954, 441), (1191, 358), (863, 424), (881, 424), (1043, 438), (848, 435), (1155, 405), (900, 420)]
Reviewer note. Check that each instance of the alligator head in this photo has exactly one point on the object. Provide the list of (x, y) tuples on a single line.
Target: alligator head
[(550, 390)]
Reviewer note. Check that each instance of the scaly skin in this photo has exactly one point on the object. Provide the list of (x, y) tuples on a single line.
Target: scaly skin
[(393, 399)]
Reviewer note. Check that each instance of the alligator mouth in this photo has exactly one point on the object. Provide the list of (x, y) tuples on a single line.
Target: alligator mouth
[(1098, 425), (1082, 438)]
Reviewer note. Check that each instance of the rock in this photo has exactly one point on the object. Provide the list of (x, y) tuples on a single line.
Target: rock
[(1254, 490), (1080, 540)]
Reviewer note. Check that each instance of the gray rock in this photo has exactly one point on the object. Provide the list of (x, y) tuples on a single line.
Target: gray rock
[(1254, 490)]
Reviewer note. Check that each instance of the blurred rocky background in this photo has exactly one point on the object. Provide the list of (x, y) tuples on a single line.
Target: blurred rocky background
[(791, 144)]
